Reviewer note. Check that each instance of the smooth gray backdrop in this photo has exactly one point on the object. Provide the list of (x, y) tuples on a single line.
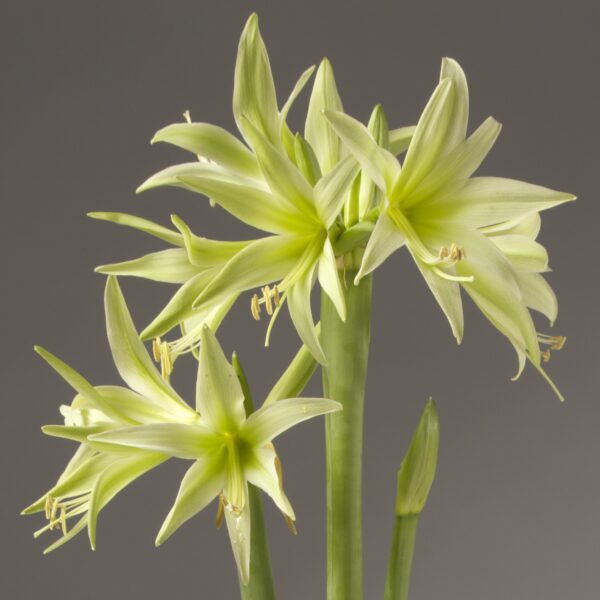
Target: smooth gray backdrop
[(514, 510)]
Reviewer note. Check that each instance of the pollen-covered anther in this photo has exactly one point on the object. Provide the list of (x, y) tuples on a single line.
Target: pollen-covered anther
[(452, 254), (270, 298), (555, 342), (162, 354)]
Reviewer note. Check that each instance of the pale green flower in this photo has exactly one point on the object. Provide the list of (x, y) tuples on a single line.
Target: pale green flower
[(435, 208), (97, 472), (125, 432), (290, 187), (229, 449)]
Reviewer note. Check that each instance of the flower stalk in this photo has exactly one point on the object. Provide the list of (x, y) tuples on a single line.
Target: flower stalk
[(346, 348)]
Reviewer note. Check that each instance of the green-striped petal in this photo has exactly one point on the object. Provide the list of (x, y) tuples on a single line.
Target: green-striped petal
[(317, 130), (219, 396), (168, 266), (266, 423), (213, 143)]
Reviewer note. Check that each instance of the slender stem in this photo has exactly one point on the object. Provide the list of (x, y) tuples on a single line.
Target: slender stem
[(401, 556), (346, 347), (260, 586)]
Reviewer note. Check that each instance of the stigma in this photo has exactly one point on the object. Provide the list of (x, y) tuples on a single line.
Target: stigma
[(270, 298)]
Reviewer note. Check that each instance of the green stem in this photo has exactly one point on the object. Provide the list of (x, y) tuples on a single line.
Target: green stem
[(260, 586), (401, 556), (346, 347)]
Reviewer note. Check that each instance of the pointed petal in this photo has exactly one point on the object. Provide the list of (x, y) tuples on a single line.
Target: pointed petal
[(239, 196), (379, 164), (330, 191), (302, 81), (238, 527), (202, 482), (306, 160), (144, 225), (298, 302), (428, 142), (329, 279), (317, 130), (460, 102), (219, 396), (385, 239), (369, 194), (263, 261), (74, 433), (130, 357), (489, 200), (254, 94), (206, 253), (112, 480), (269, 421), (173, 439), (135, 407), (179, 308), (460, 163), (284, 179), (78, 383), (213, 143), (261, 470), (400, 139), (538, 295), (168, 266)]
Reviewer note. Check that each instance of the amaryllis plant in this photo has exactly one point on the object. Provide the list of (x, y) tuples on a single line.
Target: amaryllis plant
[(326, 207)]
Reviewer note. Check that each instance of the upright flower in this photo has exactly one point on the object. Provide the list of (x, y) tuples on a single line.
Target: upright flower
[(287, 186), (230, 449), (445, 217)]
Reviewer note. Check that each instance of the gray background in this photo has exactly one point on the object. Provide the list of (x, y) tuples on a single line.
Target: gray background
[(514, 510)]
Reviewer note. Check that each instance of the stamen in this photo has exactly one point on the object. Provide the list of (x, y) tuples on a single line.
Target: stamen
[(270, 298), (291, 524), (555, 342), (453, 254), (162, 354)]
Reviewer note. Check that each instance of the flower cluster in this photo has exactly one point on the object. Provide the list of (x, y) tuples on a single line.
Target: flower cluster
[(331, 201)]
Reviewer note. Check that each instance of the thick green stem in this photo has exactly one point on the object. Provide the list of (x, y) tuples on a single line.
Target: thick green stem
[(346, 347), (261, 585), (401, 556)]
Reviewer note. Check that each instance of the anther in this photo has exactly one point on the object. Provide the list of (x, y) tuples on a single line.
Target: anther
[(162, 354), (453, 254), (270, 298), (555, 342)]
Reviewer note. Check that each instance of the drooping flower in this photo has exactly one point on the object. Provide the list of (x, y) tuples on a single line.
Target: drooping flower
[(443, 215), (229, 449)]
